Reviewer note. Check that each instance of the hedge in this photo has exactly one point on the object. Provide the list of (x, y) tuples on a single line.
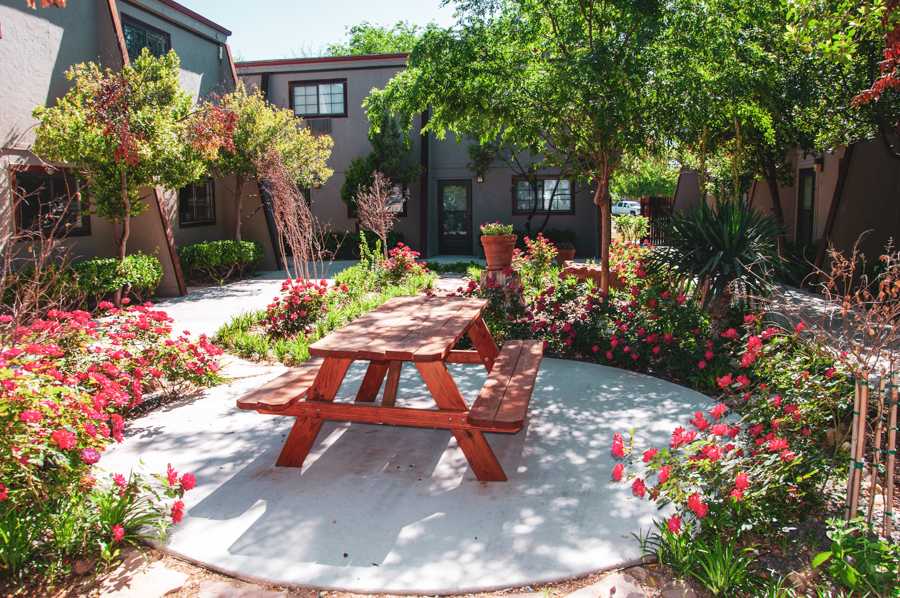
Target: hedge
[(220, 260)]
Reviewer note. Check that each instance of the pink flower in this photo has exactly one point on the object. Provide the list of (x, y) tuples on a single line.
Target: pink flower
[(718, 430), (119, 480), (177, 511), (618, 470), (674, 523), (713, 452), (800, 327), (697, 506), (777, 444), (649, 454), (90, 455), (741, 480), (618, 449), (171, 475), (719, 410), (663, 474), (737, 494), (31, 416), (638, 487), (64, 438), (118, 533), (188, 481), (700, 421)]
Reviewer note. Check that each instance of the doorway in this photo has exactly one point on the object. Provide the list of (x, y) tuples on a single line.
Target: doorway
[(806, 202), (455, 217)]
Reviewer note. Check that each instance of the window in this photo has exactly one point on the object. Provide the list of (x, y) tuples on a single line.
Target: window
[(197, 204), (49, 203), (561, 195), (325, 98), (139, 35)]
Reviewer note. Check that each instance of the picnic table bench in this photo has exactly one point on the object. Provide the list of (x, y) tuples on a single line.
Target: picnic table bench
[(423, 331)]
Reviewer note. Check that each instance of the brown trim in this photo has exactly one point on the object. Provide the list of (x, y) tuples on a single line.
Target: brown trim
[(120, 35), (264, 85), (170, 240), (190, 13), (295, 61), (231, 66), (48, 170), (843, 169), (292, 84), (569, 212), (423, 186)]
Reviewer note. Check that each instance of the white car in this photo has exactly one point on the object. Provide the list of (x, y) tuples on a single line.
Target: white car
[(620, 208)]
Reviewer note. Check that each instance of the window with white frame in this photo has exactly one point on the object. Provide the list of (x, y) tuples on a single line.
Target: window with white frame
[(325, 98), (554, 195)]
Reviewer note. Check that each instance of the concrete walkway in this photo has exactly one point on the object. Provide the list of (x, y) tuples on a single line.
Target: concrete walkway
[(388, 509)]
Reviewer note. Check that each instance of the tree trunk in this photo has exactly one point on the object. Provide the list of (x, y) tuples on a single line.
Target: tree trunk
[(772, 181), (718, 313), (238, 201), (122, 241), (601, 198)]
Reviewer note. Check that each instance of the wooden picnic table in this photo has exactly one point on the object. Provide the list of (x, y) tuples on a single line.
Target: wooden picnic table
[(423, 331)]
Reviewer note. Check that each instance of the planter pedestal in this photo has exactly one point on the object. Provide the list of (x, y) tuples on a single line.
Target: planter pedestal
[(594, 273), (494, 278)]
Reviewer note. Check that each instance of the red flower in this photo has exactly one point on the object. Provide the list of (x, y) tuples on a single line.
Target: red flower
[(119, 480), (741, 480), (617, 472), (800, 327), (719, 410), (649, 454), (737, 494), (734, 431), (712, 452), (697, 506), (618, 449), (64, 438), (188, 481), (749, 319), (3, 494), (177, 511), (701, 365), (638, 487), (118, 533), (719, 430), (700, 421), (663, 474), (829, 373), (724, 381), (777, 444), (731, 333), (787, 456), (756, 430), (31, 416), (674, 523), (172, 475)]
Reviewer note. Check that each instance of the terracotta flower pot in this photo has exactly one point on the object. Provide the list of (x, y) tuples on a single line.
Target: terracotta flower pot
[(564, 255), (498, 250)]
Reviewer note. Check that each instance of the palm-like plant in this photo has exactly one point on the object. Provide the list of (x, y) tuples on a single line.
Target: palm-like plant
[(731, 246)]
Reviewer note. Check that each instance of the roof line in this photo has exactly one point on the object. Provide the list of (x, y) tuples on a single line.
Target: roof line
[(293, 61), (190, 13)]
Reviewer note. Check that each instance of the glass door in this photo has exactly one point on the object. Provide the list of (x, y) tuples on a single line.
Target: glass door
[(806, 202), (455, 217)]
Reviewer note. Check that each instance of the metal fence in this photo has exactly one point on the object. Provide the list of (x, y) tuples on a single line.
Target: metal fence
[(657, 210)]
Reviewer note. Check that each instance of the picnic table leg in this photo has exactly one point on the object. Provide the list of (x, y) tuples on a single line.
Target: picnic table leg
[(484, 343), (371, 384), (303, 433), (479, 455), (472, 442), (393, 382)]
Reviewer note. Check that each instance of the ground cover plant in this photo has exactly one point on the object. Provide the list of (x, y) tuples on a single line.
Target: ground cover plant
[(306, 311), (217, 261), (69, 383)]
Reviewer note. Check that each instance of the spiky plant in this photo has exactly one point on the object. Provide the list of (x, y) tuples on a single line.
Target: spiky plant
[(733, 246)]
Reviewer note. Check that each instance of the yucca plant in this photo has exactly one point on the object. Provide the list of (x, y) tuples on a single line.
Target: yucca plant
[(724, 248)]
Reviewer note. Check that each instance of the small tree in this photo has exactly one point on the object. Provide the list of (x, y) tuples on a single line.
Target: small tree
[(131, 129), (261, 128), (391, 155), (378, 205)]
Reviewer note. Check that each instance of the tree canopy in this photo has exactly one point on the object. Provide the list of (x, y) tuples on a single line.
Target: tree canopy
[(367, 38)]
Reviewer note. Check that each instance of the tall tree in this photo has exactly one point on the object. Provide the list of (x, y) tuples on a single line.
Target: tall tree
[(262, 128), (569, 76), (131, 129), (367, 38)]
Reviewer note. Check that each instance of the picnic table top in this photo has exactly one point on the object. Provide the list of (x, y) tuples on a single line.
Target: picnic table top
[(410, 328)]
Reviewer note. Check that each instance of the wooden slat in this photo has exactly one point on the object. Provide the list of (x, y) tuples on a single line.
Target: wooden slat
[(479, 455), (470, 357), (441, 385), (393, 383), (484, 342), (398, 416), (328, 380), (371, 384), (285, 390), (378, 346), (412, 342), (485, 408), (345, 341), (511, 415), (299, 442), (443, 341)]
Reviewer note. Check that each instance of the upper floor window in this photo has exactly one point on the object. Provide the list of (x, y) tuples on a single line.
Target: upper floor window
[(319, 98), (197, 204), (140, 35), (49, 203), (553, 194)]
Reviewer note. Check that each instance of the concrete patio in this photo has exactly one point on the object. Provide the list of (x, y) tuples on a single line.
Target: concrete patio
[(393, 509)]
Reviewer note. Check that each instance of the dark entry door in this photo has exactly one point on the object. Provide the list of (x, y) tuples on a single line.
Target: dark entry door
[(806, 202), (455, 217)]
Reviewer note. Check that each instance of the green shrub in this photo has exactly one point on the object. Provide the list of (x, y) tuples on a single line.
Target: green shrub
[(859, 559), (140, 273), (632, 228), (554, 235), (220, 260)]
